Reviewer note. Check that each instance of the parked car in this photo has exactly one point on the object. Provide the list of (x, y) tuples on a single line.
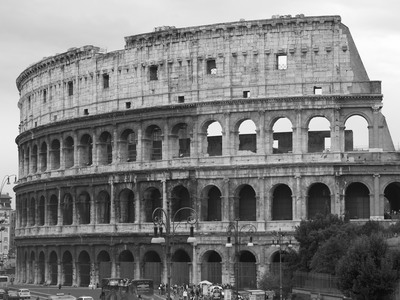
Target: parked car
[(85, 298), (11, 295), (24, 294)]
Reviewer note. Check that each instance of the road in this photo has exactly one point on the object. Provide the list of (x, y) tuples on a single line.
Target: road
[(43, 291)]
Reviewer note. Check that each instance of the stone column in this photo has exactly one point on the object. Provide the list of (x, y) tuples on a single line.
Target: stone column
[(377, 202)]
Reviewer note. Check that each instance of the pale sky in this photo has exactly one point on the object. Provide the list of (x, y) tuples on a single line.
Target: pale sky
[(33, 29)]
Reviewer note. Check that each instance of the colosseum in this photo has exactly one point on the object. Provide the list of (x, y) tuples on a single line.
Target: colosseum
[(243, 127)]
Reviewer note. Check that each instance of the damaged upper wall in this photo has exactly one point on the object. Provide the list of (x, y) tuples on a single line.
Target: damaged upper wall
[(263, 59)]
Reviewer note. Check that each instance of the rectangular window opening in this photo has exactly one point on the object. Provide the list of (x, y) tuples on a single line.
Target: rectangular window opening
[(128, 104), (86, 112), (246, 94), (281, 62), (211, 67), (153, 73), (70, 88), (44, 96), (181, 99), (106, 81), (317, 90)]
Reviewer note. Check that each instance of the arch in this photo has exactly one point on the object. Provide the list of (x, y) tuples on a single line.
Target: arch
[(43, 157), (357, 201), (392, 201), (103, 208), (83, 208), (41, 268), (86, 150), (180, 197), (34, 158), (126, 264), (104, 149), (153, 142), (31, 268), (67, 209), (152, 266), (180, 140), (211, 266), (247, 204), (319, 135), (53, 268), (41, 209), (180, 267), (214, 138), (127, 148), (319, 200), (53, 210), (212, 206), (104, 263), (126, 206), (69, 160), (32, 212), (282, 135), (83, 269), (282, 204), (247, 136), (247, 273), (27, 159), (55, 154), (277, 258), (152, 200), (356, 134), (67, 269)]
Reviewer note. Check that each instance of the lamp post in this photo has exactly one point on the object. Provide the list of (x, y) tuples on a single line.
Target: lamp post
[(6, 179), (280, 243), (235, 229), (162, 220)]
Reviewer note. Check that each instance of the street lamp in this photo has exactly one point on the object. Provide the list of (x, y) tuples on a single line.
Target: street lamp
[(167, 238), (6, 179), (235, 230), (280, 242)]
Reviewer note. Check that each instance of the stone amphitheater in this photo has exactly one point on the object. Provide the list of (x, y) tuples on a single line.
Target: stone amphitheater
[(238, 129)]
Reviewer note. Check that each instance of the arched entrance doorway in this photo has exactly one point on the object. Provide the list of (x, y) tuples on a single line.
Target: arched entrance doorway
[(152, 267), (211, 267), (180, 267), (247, 277)]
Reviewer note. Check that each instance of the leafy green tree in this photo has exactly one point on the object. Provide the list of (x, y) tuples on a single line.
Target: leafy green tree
[(367, 270)]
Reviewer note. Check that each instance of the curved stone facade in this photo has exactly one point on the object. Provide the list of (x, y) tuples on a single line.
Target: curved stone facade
[(189, 117)]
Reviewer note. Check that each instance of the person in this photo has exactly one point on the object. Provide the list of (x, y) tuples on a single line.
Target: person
[(59, 286)]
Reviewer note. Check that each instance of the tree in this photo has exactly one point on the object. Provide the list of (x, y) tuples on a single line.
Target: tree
[(367, 270)]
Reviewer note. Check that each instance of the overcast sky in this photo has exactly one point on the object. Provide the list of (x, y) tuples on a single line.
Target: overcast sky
[(33, 29)]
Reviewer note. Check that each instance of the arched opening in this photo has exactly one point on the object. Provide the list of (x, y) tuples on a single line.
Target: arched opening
[(41, 268), (152, 267), (83, 269), (126, 265), (34, 158), (27, 157), (128, 144), (126, 206), (41, 208), (357, 201), (319, 200), (67, 269), (211, 208), (67, 210), (43, 157), (319, 135), (104, 149), (214, 139), (53, 268), (69, 160), (31, 268), (104, 262), (32, 212), (356, 134), (180, 267), (392, 201), (247, 206), (282, 136), (154, 142), (247, 273), (103, 208), (180, 140), (282, 206), (248, 136), (83, 207), (86, 151), (211, 267), (152, 200), (180, 197), (53, 210), (55, 155)]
